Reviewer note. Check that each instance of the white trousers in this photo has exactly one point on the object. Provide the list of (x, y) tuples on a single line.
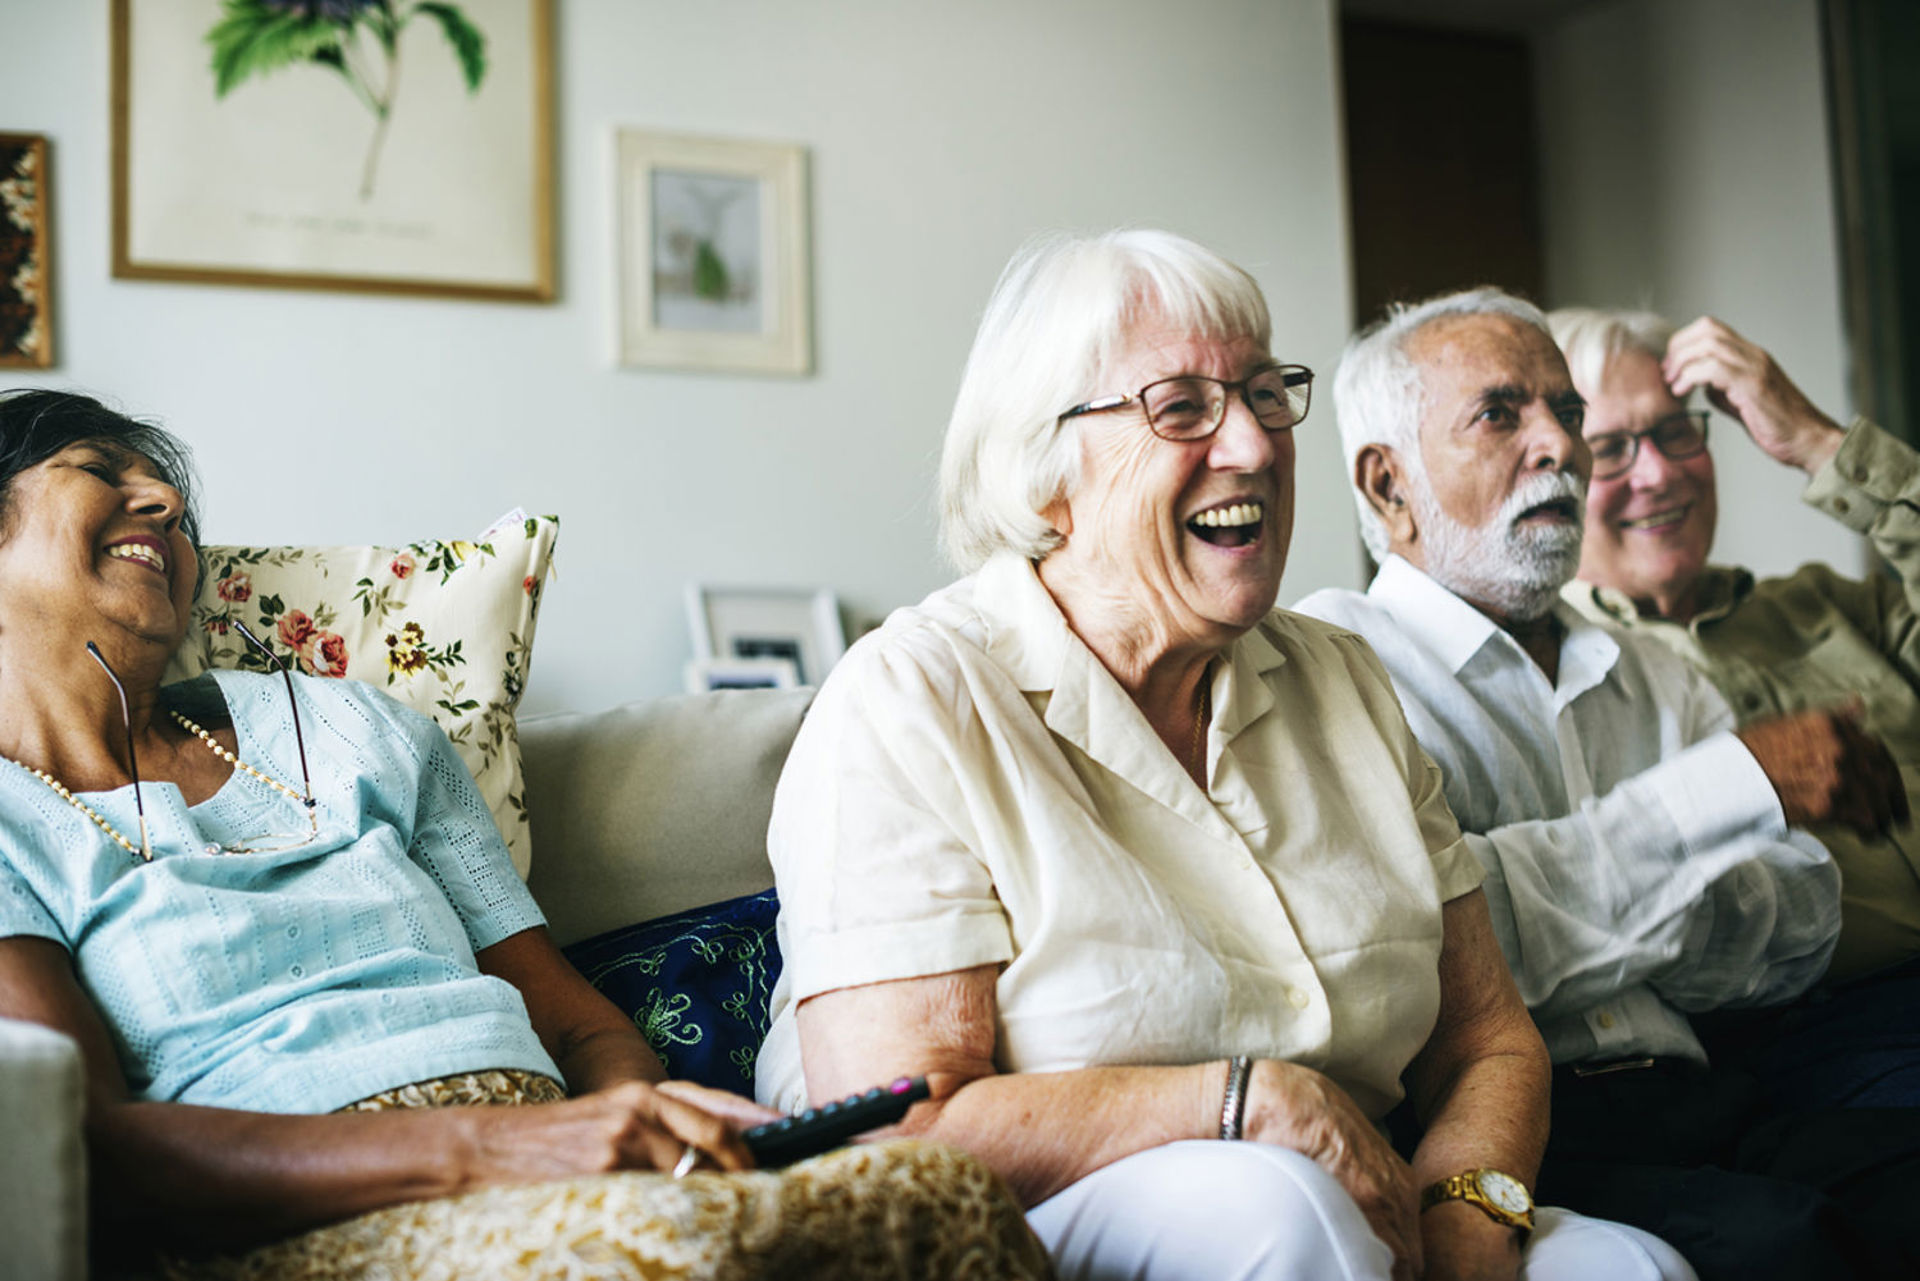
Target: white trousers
[(1215, 1211)]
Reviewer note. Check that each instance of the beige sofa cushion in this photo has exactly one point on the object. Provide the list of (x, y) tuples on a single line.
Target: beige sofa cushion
[(653, 807), (43, 1203), (445, 627)]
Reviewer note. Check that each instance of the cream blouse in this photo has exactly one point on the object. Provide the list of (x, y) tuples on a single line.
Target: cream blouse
[(972, 787)]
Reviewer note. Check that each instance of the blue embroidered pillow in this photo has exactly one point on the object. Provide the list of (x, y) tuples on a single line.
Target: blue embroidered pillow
[(696, 984)]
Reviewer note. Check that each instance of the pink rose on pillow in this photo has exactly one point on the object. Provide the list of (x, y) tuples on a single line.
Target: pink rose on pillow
[(325, 654), (402, 565), (295, 627), (235, 588)]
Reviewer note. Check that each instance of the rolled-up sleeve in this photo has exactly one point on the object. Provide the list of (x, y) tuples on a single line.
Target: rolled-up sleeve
[(872, 840), (1683, 877)]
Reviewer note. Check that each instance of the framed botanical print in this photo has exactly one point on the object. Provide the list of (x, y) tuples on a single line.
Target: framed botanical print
[(400, 146)]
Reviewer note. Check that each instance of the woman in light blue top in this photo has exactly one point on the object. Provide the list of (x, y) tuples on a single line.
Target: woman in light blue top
[(255, 900)]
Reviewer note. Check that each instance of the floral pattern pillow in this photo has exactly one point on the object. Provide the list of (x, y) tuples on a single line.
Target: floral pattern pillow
[(698, 985), (445, 627)]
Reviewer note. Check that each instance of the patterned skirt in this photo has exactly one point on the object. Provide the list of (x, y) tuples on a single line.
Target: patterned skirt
[(902, 1210)]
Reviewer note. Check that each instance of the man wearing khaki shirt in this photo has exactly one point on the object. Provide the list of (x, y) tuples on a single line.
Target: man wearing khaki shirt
[(1813, 639)]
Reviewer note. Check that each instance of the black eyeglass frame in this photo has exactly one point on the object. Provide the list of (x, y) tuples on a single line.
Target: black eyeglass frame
[(294, 840), (1291, 376), (1700, 419)]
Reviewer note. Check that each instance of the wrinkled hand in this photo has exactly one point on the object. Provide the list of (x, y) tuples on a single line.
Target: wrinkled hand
[(1296, 1107), (1826, 768), (631, 1126), (1742, 380)]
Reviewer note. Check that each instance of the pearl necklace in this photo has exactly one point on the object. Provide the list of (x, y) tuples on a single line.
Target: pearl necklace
[(60, 789)]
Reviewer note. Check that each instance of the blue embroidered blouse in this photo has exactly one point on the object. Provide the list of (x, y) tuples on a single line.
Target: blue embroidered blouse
[(297, 981)]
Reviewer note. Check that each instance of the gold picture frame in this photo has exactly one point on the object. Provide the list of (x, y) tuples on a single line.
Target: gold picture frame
[(258, 146), (712, 249), (26, 253)]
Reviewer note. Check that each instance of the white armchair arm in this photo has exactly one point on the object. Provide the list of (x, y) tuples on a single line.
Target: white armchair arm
[(43, 1220)]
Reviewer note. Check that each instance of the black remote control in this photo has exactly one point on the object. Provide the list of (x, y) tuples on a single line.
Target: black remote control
[(822, 1129)]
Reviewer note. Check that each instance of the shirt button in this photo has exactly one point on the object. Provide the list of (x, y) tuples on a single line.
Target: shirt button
[(293, 931), (1840, 505), (1605, 1020), (296, 970), (1298, 998), (1750, 701)]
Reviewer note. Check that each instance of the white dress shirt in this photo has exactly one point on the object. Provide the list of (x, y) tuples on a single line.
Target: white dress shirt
[(1638, 864), (972, 787)]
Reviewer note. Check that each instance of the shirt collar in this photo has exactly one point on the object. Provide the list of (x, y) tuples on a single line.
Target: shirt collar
[(1026, 634), (1028, 637), (1444, 625), (1455, 632), (1721, 589)]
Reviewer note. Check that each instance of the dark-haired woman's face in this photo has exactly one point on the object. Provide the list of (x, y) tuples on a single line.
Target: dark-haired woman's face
[(92, 540)]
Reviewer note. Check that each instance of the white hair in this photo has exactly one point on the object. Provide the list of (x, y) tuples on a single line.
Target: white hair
[(1060, 314), (1379, 396), (1590, 338)]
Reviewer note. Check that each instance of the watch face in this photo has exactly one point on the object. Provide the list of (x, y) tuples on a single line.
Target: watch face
[(1505, 1191)]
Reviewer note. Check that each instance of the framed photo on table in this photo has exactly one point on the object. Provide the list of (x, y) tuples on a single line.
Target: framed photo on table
[(712, 254), (399, 147), (704, 675), (26, 262), (797, 627)]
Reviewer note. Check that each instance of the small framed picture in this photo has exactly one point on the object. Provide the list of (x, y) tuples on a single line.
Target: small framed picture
[(712, 254), (705, 675), (26, 265), (799, 627)]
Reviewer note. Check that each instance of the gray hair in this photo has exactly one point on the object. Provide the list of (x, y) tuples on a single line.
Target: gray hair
[(1590, 338), (1060, 314), (1379, 396)]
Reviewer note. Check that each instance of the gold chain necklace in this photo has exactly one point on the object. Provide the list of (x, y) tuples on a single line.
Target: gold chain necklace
[(1200, 728), (61, 790)]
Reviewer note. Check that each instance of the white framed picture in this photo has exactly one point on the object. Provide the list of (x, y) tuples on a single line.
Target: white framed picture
[(712, 253), (704, 675), (797, 626)]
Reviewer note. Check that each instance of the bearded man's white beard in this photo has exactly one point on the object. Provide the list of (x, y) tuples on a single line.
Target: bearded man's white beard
[(1515, 570)]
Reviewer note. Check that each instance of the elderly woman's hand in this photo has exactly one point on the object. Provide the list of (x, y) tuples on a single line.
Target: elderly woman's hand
[(1296, 1107), (631, 1126)]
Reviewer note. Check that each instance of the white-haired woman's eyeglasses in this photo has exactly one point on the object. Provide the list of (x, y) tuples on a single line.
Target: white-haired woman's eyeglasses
[(1192, 407)]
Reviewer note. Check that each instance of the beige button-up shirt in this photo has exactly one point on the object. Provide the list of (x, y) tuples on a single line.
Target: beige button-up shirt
[(972, 787), (1816, 639)]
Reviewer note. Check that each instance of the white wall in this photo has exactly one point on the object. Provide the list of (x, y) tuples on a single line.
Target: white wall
[(941, 136), (1685, 168)]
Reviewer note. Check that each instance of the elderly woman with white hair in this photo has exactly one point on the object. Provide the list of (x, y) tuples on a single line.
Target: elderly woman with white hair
[(1132, 865)]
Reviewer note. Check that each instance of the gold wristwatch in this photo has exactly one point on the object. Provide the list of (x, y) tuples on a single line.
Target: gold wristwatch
[(1503, 1198)]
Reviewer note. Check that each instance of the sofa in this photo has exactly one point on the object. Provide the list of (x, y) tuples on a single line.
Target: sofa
[(635, 813)]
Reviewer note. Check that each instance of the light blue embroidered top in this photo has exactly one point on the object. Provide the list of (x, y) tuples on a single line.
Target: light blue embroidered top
[(298, 981)]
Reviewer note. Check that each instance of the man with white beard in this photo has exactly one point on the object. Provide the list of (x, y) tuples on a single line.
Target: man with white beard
[(1639, 853)]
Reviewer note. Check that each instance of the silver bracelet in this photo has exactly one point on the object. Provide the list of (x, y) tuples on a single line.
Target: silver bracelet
[(1233, 1108)]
